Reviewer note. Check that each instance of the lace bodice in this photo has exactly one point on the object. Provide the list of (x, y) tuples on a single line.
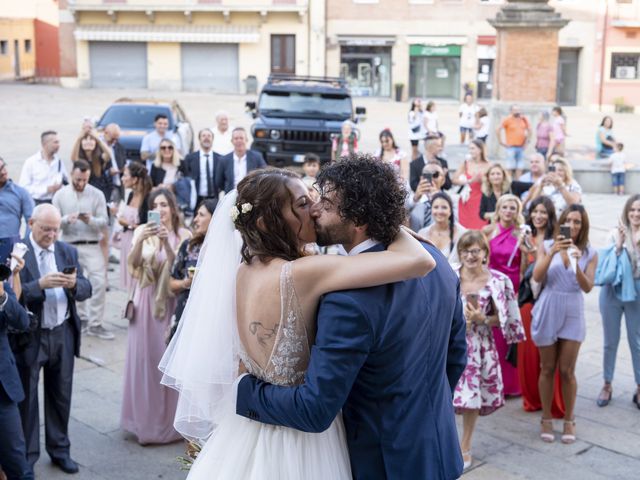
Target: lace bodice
[(290, 355)]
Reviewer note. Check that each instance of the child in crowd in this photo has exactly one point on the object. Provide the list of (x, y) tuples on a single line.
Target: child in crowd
[(618, 168), (311, 167)]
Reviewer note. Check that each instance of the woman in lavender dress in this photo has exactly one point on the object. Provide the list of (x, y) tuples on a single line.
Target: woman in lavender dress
[(131, 214), (148, 408), (489, 303), (566, 267)]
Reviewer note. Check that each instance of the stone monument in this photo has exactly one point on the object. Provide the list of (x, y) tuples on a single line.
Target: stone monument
[(526, 67)]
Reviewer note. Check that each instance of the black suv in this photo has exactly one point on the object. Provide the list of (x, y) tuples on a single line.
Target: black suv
[(296, 115)]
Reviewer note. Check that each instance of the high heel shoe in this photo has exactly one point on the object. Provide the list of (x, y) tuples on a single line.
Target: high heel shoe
[(636, 397), (568, 438), (467, 459), (545, 436), (605, 397)]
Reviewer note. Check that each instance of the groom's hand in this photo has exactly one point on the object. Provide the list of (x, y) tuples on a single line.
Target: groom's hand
[(420, 238), (242, 369)]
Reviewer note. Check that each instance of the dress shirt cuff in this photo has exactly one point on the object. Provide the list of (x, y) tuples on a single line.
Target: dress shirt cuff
[(3, 301)]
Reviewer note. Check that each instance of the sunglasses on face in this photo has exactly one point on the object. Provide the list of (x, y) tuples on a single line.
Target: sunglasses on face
[(166, 147)]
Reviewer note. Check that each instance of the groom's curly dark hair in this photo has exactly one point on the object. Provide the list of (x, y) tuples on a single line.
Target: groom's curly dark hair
[(370, 193)]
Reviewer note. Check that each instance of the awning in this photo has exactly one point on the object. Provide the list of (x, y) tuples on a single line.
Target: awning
[(436, 40), (486, 39), (168, 33), (368, 41)]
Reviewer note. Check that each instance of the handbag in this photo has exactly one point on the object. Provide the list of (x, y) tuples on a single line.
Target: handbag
[(415, 129), (130, 307)]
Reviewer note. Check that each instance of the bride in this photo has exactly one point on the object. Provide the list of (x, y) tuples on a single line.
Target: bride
[(254, 299)]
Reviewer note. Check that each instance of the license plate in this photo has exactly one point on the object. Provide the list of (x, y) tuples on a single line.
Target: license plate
[(298, 158)]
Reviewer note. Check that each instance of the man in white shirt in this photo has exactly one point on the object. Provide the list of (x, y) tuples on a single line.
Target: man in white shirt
[(84, 217), (222, 134), (236, 165), (151, 141), (44, 173), (535, 174)]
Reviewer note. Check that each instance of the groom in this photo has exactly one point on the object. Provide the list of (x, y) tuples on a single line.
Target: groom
[(388, 356)]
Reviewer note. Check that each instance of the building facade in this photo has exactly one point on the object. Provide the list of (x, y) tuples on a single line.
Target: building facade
[(213, 45)]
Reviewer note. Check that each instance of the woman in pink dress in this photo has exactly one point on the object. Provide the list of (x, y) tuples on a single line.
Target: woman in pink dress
[(507, 248), (148, 408), (490, 305), (131, 214), (470, 174)]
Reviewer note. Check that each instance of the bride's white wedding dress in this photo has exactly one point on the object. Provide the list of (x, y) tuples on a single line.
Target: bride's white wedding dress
[(243, 449)]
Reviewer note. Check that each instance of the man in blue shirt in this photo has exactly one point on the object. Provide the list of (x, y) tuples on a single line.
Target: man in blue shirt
[(151, 141), (15, 204)]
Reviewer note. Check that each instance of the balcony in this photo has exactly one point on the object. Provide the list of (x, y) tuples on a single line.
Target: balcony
[(626, 15)]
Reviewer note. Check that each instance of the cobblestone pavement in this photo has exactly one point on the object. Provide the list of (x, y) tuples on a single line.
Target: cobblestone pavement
[(506, 445)]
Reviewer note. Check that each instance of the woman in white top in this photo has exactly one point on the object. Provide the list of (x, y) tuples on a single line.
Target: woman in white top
[(430, 122), (416, 129), (444, 231), (481, 128), (467, 114), (390, 152)]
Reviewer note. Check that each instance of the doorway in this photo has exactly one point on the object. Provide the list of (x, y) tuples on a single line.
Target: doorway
[(16, 57), (567, 88)]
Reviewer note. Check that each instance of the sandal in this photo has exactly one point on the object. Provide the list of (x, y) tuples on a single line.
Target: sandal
[(546, 436), (568, 438), (467, 459), (605, 396)]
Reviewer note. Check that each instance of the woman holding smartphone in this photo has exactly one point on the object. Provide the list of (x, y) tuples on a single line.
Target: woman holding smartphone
[(148, 408), (566, 266), (489, 301)]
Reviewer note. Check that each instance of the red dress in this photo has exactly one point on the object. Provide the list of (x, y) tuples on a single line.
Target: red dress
[(469, 211), (529, 371)]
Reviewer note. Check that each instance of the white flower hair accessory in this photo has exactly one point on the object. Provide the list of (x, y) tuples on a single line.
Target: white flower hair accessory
[(246, 207), (235, 213)]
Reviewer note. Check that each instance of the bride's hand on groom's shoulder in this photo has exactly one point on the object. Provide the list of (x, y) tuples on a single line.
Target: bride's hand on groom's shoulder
[(241, 368), (418, 237)]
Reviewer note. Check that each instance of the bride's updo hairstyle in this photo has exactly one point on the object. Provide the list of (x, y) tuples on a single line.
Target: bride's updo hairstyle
[(262, 195)]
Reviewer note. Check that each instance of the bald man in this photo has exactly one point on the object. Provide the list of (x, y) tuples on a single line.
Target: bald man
[(52, 282)]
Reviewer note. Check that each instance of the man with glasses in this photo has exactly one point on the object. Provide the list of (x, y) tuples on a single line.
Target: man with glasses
[(418, 203), (52, 283)]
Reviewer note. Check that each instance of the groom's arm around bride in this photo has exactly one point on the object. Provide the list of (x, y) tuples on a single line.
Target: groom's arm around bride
[(389, 357)]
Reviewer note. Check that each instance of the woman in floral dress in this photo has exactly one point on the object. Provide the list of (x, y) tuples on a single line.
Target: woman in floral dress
[(489, 300)]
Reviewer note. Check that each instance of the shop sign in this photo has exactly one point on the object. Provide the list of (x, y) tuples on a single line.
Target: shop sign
[(435, 51)]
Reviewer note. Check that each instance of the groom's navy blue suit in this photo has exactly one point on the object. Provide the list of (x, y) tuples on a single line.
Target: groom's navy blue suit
[(389, 357)]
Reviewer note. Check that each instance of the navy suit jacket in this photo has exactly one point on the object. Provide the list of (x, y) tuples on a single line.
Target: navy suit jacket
[(33, 296), (224, 174), (14, 316), (390, 357)]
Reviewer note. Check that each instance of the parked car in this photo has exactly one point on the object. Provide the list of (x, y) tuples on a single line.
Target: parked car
[(135, 117), (296, 115)]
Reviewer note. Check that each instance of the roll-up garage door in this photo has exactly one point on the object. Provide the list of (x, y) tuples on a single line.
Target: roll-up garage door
[(210, 66), (118, 64)]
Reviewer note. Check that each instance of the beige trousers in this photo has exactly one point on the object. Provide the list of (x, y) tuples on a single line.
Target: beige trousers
[(91, 259)]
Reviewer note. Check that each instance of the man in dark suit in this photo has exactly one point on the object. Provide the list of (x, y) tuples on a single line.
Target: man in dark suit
[(201, 167), (235, 166), (51, 295), (13, 457), (111, 137), (432, 150), (389, 356)]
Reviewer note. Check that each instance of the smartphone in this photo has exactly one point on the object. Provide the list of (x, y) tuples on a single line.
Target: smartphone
[(428, 176), (472, 299), (551, 168), (153, 217), (565, 231), (69, 270)]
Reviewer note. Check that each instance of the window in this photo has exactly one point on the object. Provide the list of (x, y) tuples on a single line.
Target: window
[(625, 66), (27, 46), (283, 54), (4, 47)]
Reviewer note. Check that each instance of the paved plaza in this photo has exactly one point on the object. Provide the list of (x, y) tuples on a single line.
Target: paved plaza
[(506, 445)]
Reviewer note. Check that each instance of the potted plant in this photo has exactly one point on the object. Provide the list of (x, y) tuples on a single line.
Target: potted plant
[(621, 107), (399, 87)]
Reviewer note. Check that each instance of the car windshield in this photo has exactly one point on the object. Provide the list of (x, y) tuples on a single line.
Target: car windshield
[(134, 117), (338, 106)]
